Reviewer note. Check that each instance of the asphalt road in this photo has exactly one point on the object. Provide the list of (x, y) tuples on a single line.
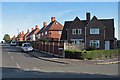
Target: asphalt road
[(16, 64)]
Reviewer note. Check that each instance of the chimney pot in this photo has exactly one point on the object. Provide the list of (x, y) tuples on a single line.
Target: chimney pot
[(36, 26), (87, 17), (53, 19), (32, 29), (44, 24), (22, 32)]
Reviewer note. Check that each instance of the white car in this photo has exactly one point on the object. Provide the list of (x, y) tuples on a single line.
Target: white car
[(13, 43), (26, 47)]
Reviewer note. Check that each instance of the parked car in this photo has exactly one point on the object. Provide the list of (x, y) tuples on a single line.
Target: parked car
[(26, 47), (13, 43)]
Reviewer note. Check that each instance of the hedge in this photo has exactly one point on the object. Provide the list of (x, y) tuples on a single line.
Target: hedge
[(73, 54), (92, 54)]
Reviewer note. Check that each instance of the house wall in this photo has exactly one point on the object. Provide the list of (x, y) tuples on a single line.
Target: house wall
[(32, 37), (54, 34), (95, 24), (76, 25)]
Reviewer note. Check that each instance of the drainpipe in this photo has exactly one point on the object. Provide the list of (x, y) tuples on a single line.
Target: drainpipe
[(85, 38), (104, 38)]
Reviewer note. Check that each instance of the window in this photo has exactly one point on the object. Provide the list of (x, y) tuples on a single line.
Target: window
[(95, 43), (76, 31), (77, 41), (60, 32), (42, 34), (73, 31), (46, 33), (79, 31), (94, 31), (38, 36)]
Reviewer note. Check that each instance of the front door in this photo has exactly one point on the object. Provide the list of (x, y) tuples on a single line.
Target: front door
[(107, 45)]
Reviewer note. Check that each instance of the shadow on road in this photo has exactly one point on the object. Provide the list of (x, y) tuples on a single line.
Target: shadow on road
[(9, 72)]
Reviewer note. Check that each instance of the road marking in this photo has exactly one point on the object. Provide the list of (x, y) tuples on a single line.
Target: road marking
[(18, 65), (12, 57), (14, 60), (74, 60), (9, 53)]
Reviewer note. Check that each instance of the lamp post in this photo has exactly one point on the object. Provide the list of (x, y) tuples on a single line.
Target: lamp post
[(18, 31), (18, 34)]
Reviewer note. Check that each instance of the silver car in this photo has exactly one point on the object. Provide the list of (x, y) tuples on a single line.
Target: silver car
[(26, 47)]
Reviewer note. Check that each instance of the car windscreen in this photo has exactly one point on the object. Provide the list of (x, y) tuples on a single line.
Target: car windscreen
[(27, 45)]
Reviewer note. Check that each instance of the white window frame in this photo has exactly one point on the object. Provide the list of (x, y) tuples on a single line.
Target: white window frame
[(45, 32), (95, 42), (42, 34), (33, 37), (79, 31), (60, 32), (74, 31), (38, 36), (77, 41), (94, 31)]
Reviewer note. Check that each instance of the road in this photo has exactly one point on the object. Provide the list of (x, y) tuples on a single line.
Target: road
[(16, 64)]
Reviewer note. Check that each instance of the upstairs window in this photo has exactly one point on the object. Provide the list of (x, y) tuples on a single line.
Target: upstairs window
[(79, 31), (74, 31), (94, 31)]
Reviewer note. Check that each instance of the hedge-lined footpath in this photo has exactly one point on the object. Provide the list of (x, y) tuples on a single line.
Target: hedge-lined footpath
[(92, 54)]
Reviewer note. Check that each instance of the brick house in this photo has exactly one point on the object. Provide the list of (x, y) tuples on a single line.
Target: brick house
[(51, 32), (20, 36), (32, 35), (25, 36), (91, 32)]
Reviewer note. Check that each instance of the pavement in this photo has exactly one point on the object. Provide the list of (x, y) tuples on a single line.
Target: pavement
[(48, 57), (39, 55)]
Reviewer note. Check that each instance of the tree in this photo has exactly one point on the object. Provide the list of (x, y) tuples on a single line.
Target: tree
[(6, 38)]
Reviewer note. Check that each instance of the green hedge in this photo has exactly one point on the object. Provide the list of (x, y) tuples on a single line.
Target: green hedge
[(73, 54), (94, 54)]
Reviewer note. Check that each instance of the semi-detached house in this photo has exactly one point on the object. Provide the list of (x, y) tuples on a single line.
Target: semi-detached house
[(91, 32), (32, 35), (50, 32)]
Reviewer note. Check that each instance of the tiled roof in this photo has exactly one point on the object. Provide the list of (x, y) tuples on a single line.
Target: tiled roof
[(49, 27), (40, 31), (33, 31), (108, 23), (26, 34)]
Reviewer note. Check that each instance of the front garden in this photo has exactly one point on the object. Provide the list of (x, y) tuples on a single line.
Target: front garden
[(93, 54)]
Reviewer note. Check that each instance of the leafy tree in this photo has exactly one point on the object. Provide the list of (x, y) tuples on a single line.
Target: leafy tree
[(6, 38)]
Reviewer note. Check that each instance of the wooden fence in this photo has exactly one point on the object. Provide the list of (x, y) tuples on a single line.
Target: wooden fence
[(53, 48)]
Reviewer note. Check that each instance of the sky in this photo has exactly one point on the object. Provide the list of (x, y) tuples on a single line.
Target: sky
[(20, 16)]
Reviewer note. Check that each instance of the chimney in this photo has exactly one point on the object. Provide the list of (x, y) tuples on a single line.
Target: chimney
[(52, 19), (22, 32), (32, 29), (36, 26), (44, 24), (87, 17)]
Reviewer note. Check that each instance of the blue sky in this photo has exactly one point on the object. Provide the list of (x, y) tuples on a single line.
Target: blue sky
[(25, 15)]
